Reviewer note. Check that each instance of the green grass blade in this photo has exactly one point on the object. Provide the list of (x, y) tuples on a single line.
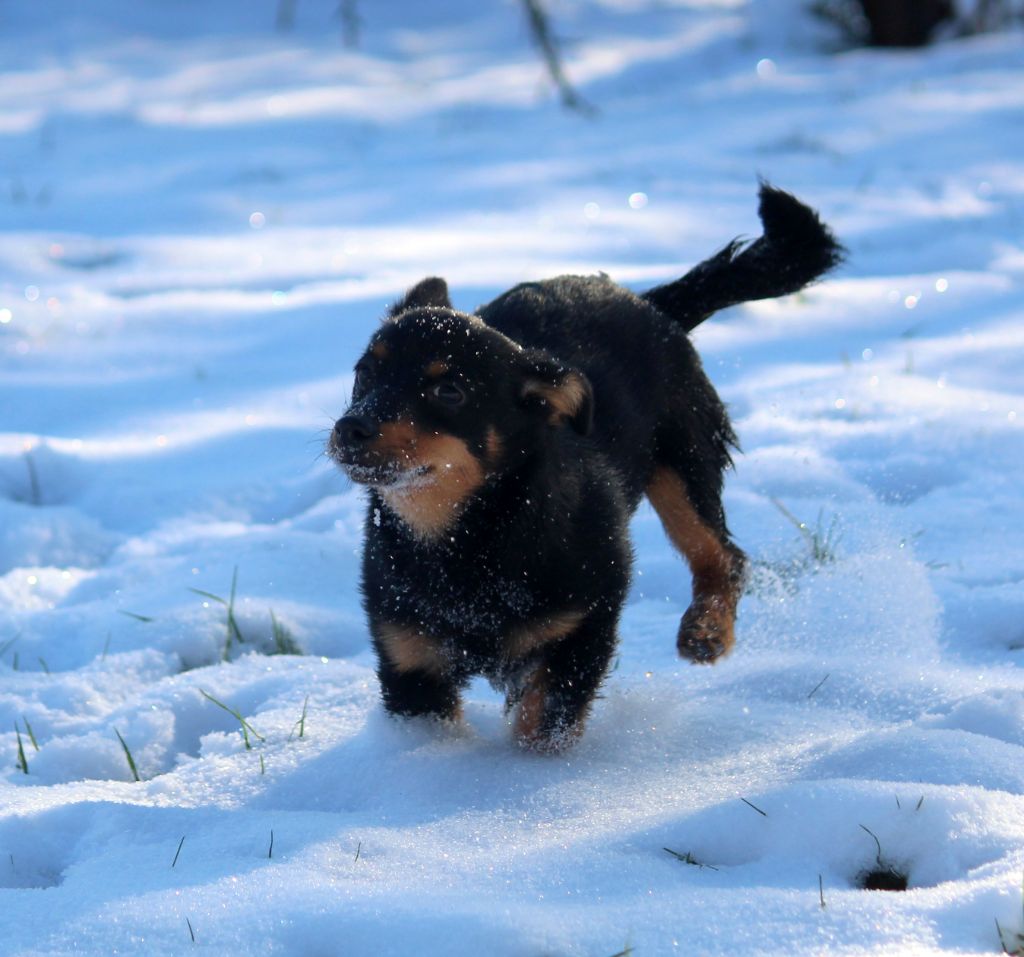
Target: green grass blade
[(208, 594), (31, 736), (284, 643), (131, 614), (233, 630), (246, 728), (22, 761), (128, 756)]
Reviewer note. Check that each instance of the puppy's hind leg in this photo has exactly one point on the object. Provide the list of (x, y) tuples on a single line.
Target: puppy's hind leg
[(707, 629)]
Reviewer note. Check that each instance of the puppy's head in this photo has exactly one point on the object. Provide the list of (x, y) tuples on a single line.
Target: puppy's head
[(441, 402)]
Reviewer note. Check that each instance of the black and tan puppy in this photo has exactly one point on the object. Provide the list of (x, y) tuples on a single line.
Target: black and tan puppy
[(505, 452)]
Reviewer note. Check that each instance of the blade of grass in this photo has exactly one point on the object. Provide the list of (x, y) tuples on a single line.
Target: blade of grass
[(801, 527), (1018, 943), (755, 807), (232, 623), (878, 843), (210, 595), (688, 858), (234, 632), (128, 756), (131, 614), (245, 726), (284, 643), (22, 764), (300, 725), (817, 686)]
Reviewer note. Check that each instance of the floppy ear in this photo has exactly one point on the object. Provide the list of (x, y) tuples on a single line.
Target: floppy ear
[(432, 291), (562, 392)]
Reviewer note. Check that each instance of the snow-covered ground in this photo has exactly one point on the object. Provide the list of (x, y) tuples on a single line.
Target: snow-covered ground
[(202, 220)]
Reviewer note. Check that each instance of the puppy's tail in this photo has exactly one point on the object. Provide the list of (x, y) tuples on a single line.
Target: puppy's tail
[(796, 248)]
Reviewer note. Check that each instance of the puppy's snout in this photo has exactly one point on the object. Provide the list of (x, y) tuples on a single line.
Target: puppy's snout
[(354, 430)]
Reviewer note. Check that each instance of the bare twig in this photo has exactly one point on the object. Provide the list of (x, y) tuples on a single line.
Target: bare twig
[(351, 22), (286, 14), (540, 29)]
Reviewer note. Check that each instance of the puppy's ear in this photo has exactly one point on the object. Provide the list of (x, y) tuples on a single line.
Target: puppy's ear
[(560, 391), (432, 291)]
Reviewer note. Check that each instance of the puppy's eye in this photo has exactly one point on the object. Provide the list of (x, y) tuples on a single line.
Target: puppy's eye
[(448, 393)]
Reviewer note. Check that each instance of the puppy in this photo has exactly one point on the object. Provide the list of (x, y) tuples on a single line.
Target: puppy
[(504, 453)]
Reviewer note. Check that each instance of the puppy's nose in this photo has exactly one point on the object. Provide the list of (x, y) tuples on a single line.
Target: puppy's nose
[(356, 429)]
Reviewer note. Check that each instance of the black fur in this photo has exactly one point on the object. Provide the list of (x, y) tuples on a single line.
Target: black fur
[(545, 417), (796, 249)]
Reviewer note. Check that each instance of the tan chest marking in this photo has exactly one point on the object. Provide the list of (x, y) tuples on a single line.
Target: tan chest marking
[(430, 506)]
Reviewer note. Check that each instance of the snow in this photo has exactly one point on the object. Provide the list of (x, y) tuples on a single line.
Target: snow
[(203, 220)]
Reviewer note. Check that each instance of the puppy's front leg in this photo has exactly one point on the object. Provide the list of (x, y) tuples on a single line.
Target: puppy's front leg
[(414, 676), (555, 698)]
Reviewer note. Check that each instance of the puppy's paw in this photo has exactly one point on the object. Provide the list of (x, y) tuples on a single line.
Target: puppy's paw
[(706, 631), (549, 742), (531, 728)]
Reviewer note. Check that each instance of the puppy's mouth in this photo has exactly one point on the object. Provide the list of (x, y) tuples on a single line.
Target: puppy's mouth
[(389, 477), (366, 467)]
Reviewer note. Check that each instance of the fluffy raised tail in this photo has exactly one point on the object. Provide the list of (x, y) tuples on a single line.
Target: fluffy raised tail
[(796, 248)]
